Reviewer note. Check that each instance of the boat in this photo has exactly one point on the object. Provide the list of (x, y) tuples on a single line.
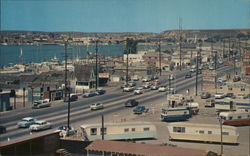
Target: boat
[(196, 132), (175, 114), (236, 118), (119, 131)]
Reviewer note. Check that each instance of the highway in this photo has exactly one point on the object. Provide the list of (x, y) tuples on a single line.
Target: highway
[(113, 101)]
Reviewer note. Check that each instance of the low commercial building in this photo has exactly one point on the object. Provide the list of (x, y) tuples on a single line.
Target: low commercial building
[(5, 101)]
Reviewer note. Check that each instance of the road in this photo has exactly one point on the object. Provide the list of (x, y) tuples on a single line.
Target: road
[(113, 102)]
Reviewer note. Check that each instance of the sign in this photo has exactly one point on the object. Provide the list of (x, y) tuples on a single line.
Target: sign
[(175, 97), (104, 75), (208, 78), (208, 85), (209, 73)]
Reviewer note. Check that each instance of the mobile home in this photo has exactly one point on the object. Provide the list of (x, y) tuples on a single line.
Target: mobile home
[(175, 114), (236, 118), (119, 131), (226, 104), (202, 132)]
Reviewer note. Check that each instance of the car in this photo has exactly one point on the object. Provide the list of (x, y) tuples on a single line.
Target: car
[(219, 96), (138, 91), (230, 95), (26, 122), (2, 129), (246, 96), (209, 103), (140, 110), (131, 83), (188, 75), (199, 71), (192, 70), (65, 131), (40, 125), (131, 103), (205, 95), (236, 78), (170, 91), (41, 104), (146, 85), (96, 106), (162, 88), (147, 79), (89, 94), (135, 78), (100, 91), (154, 87), (128, 89), (156, 82), (73, 97)]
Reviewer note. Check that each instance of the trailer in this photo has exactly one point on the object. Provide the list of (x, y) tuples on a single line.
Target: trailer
[(236, 118), (119, 131), (202, 132)]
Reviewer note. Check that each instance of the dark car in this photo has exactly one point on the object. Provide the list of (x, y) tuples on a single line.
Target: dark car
[(73, 97), (131, 103), (230, 95), (100, 91), (89, 94), (188, 75), (236, 79), (140, 110), (2, 129)]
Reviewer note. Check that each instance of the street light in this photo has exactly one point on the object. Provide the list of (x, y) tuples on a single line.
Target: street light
[(221, 135)]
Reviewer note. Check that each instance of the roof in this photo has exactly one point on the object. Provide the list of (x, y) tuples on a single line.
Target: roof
[(118, 124), (27, 118), (142, 149), (186, 124)]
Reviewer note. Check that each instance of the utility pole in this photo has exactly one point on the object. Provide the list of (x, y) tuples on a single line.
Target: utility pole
[(67, 88), (23, 97), (221, 137), (128, 51), (65, 68), (32, 97), (196, 79), (180, 39), (215, 68), (223, 53), (229, 49), (159, 48), (102, 130), (96, 66)]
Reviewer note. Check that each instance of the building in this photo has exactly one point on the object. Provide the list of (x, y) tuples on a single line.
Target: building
[(5, 101), (110, 148)]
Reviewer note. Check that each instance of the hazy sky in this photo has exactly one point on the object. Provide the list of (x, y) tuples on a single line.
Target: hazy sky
[(123, 15)]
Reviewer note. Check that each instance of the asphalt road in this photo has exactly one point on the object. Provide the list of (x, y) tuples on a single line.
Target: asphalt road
[(113, 101)]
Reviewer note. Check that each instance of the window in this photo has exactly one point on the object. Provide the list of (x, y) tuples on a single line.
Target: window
[(93, 131), (242, 89), (230, 88), (133, 129), (126, 129), (201, 132), (225, 133), (209, 132), (239, 117), (146, 129), (179, 129), (230, 118)]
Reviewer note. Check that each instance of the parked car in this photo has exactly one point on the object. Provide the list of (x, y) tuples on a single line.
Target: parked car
[(138, 91), (205, 95), (154, 87), (2, 129), (131, 83), (128, 89), (162, 89), (131, 103), (156, 82), (41, 104), (26, 122), (96, 106), (40, 125), (140, 110), (188, 75), (73, 97), (89, 93), (236, 78), (65, 131), (147, 78), (209, 103), (219, 96), (100, 91), (230, 95), (135, 78)]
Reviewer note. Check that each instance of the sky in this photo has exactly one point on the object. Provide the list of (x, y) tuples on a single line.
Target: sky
[(123, 15)]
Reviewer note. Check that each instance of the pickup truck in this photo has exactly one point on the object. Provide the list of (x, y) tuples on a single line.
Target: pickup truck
[(140, 110)]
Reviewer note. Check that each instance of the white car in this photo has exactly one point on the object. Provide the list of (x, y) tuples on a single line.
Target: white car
[(40, 125), (162, 89), (138, 90), (219, 96), (64, 131), (146, 85), (128, 89), (96, 106)]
